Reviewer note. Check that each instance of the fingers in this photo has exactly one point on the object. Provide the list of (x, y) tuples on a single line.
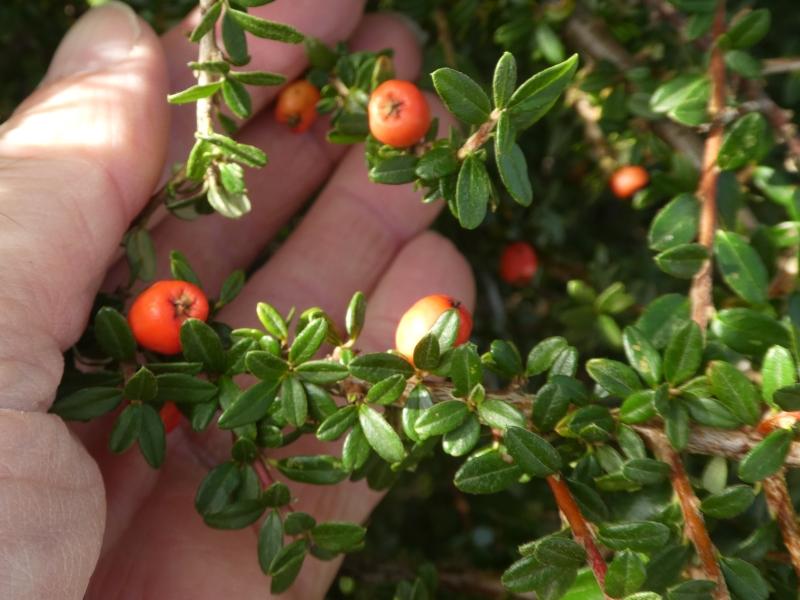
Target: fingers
[(331, 24), (77, 161), (344, 244), (299, 165), (52, 509)]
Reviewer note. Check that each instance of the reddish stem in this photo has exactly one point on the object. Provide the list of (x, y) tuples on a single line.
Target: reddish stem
[(580, 527), (782, 509)]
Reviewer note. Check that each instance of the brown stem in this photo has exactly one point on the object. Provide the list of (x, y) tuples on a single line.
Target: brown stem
[(694, 525), (480, 137), (580, 527), (208, 52), (780, 505), (445, 39), (786, 64), (700, 293)]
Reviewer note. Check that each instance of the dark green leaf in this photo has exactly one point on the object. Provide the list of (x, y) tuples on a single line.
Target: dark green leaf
[(639, 536), (743, 142), (441, 418), (113, 334), (298, 522), (201, 344), (426, 353), (180, 268), (356, 311), (265, 29), (550, 406), (465, 370), (560, 552), (126, 429), (473, 190), (682, 261), (266, 365), (270, 540), (741, 267), (436, 163), (376, 367), (87, 403), (386, 391), (237, 98), (695, 589), (322, 372), (766, 457), (728, 503), (184, 389), (534, 97), (236, 515), (675, 224), (395, 170), (645, 471), (486, 473), (499, 414), (638, 407), (286, 566), (250, 406), (642, 356), (294, 401), (746, 30), (257, 77), (152, 438), (380, 435), (734, 391), (462, 96), (277, 494), (543, 354), (207, 22), (615, 377), (744, 579), (337, 536), (356, 449), (684, 353), (319, 470), (419, 400), (308, 341), (243, 153), (141, 386), (532, 453), (335, 425), (141, 253), (676, 424), (462, 439), (778, 371), (504, 80), (748, 331), (625, 575), (272, 321)]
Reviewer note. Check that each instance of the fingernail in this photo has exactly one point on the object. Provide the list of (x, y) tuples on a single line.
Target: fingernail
[(101, 38)]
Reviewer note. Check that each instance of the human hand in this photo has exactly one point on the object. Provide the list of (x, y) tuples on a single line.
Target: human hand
[(78, 160)]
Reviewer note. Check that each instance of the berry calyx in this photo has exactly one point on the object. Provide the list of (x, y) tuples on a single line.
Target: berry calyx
[(158, 312), (297, 105), (518, 264), (417, 321), (398, 113), (170, 416), (628, 180)]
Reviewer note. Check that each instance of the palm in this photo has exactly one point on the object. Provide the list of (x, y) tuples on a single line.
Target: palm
[(91, 128)]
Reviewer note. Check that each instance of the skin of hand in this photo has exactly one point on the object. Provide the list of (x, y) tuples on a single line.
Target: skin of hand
[(78, 160)]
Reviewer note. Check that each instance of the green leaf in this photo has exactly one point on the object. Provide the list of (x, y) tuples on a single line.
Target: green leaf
[(645, 471), (543, 354), (551, 405), (734, 391), (152, 438), (639, 536), (141, 253), (319, 470), (298, 522), (684, 353), (534, 97), (194, 93), (741, 267), (446, 329), (748, 331), (743, 142), (141, 386), (336, 424), (486, 473), (683, 99), (682, 261), (378, 366), (265, 29), (395, 170), (231, 205), (126, 429), (356, 449), (322, 372), (504, 358), (436, 163), (250, 406), (440, 418), (294, 401), (530, 575), (462, 96), (286, 566), (184, 389), (676, 424), (499, 414), (777, 371), (613, 376), (625, 575), (387, 391), (270, 540), (419, 400), (638, 407), (272, 321), (559, 552), (744, 579), (243, 153), (504, 79), (473, 190), (694, 589), (465, 370), (236, 515), (513, 169), (257, 77), (237, 98), (593, 423), (207, 22), (426, 353), (180, 268), (308, 341), (380, 435), (356, 311), (113, 334), (87, 403), (675, 224), (642, 356), (201, 344), (337, 536), (266, 365), (746, 30), (766, 457), (217, 488), (532, 453), (728, 503), (462, 439), (277, 494)]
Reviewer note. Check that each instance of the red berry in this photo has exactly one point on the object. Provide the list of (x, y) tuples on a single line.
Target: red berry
[(158, 312), (170, 416), (628, 180), (518, 264), (297, 105), (418, 320), (398, 113)]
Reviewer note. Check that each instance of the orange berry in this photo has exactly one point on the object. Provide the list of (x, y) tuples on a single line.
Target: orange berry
[(398, 113), (518, 264), (628, 180), (170, 416), (418, 320), (297, 105), (158, 312)]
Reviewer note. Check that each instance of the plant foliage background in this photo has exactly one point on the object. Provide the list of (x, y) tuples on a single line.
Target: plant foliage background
[(597, 275)]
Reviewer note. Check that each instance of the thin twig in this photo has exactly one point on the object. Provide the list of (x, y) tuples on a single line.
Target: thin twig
[(700, 293), (445, 39), (580, 528), (787, 64), (694, 525), (208, 52), (780, 505), (480, 137)]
